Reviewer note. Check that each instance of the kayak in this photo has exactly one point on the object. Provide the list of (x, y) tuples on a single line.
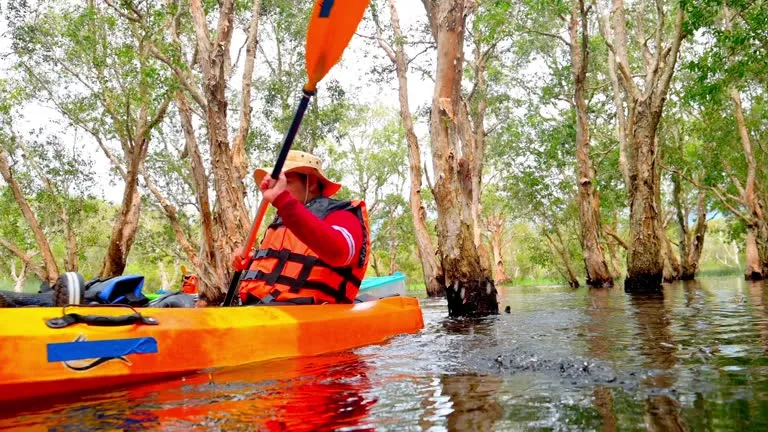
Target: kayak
[(99, 347), (379, 286)]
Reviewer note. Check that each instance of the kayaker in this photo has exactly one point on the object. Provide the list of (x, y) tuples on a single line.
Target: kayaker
[(316, 250)]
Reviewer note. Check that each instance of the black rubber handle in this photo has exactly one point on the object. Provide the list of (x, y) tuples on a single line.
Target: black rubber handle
[(100, 320)]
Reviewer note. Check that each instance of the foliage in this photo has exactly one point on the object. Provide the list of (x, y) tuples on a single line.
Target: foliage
[(87, 63)]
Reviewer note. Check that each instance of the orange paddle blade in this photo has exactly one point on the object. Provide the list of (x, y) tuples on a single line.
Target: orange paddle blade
[(331, 26)]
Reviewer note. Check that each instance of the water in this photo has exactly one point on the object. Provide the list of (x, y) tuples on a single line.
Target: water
[(693, 358)]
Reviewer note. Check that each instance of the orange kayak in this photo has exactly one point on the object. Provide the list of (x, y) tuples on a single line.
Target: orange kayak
[(37, 360)]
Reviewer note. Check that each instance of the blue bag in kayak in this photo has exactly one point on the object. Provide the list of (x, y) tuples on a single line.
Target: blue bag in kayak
[(124, 289)]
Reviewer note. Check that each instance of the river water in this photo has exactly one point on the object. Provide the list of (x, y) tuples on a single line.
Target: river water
[(693, 358)]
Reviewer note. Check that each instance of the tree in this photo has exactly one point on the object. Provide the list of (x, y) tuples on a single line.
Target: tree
[(98, 73), (455, 152), (565, 92), (497, 217), (641, 109), (691, 239), (683, 155), (589, 203), (426, 250), (49, 272), (731, 65), (198, 59)]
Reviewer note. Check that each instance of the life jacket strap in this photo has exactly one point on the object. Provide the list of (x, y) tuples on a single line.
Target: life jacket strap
[(307, 261), (337, 293)]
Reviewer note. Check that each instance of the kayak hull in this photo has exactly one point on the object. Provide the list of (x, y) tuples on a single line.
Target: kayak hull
[(38, 361)]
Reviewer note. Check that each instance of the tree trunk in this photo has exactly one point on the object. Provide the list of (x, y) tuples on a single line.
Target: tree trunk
[(71, 261), (645, 264), (470, 289), (165, 284), (127, 221), (672, 269), (171, 213), (26, 258), (230, 190), (762, 246), (123, 230), (392, 248), (51, 270), (375, 264), (19, 279), (239, 158), (562, 252), (477, 155), (614, 260), (691, 243), (597, 271), (621, 120), (691, 263), (644, 109), (754, 264), (211, 272), (135, 144), (71, 258), (497, 236), (425, 247), (753, 267)]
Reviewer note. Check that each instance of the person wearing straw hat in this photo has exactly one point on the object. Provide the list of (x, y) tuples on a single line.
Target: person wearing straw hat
[(316, 250)]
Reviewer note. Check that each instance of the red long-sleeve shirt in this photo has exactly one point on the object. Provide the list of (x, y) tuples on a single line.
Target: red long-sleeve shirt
[(337, 239)]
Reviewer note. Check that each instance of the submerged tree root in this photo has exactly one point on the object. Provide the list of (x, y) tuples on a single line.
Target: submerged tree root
[(472, 298)]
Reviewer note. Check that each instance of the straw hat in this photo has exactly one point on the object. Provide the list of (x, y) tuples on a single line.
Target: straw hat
[(304, 163)]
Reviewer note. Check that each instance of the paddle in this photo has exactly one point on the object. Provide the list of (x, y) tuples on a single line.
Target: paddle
[(331, 26)]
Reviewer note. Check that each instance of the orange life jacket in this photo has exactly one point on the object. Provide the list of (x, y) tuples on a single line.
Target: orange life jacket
[(189, 284), (287, 270)]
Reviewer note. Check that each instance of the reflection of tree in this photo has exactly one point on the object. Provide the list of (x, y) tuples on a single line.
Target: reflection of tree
[(475, 407), (472, 396), (757, 296), (599, 326), (603, 397), (662, 412), (597, 330), (472, 326)]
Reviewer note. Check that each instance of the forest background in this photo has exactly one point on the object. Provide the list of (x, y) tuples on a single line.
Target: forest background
[(575, 142)]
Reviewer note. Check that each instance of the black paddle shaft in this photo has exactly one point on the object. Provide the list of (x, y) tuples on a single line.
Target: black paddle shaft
[(289, 137), (292, 131)]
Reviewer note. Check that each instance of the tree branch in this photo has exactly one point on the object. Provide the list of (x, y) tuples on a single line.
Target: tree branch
[(129, 17), (238, 145), (24, 257), (201, 31), (181, 75), (551, 35), (670, 60), (429, 182), (610, 232), (157, 118), (720, 193)]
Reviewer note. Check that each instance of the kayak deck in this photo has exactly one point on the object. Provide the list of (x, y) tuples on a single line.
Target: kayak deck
[(39, 361)]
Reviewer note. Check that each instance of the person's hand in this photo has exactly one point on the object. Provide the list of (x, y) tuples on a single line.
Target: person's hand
[(271, 188), (239, 262)]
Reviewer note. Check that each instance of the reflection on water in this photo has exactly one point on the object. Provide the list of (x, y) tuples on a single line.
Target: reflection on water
[(691, 358), (662, 411)]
